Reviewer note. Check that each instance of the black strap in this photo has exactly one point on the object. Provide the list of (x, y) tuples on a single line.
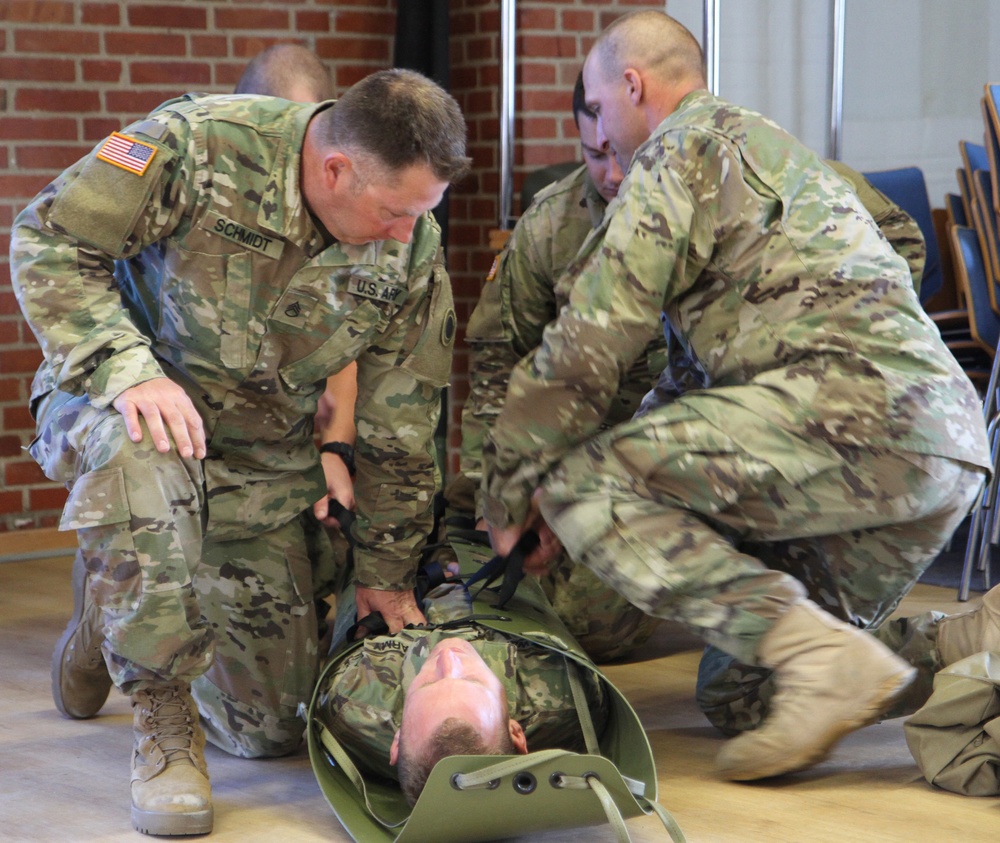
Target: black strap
[(371, 624), (344, 515), (511, 567)]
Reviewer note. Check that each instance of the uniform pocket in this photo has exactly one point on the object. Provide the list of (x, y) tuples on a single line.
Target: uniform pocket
[(430, 359), (205, 305), (97, 499)]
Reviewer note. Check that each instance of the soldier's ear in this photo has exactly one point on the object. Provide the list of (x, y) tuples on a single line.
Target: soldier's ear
[(335, 166), (518, 737), (394, 749), (633, 85)]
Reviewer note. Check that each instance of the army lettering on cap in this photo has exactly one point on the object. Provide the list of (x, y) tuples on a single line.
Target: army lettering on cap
[(266, 244), (127, 153), (377, 289)]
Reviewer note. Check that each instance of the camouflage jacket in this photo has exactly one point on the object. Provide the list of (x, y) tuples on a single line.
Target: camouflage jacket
[(523, 293), (191, 254), (361, 699), (780, 289)]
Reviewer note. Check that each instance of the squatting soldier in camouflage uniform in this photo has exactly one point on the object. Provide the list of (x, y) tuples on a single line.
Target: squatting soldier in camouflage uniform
[(457, 687), (524, 292), (195, 279), (833, 449)]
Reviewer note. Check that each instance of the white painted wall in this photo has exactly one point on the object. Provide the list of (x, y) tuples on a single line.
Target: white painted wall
[(914, 72)]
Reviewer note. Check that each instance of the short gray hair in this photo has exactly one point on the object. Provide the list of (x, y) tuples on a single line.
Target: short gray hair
[(399, 118)]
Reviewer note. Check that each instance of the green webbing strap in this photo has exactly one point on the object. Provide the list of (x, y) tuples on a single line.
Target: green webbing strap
[(582, 708), (343, 760), (610, 809), (669, 823)]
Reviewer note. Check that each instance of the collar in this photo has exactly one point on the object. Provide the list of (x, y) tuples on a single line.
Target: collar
[(283, 208)]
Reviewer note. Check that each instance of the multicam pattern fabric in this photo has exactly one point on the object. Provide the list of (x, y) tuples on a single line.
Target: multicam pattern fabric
[(209, 269), (778, 284), (524, 293), (829, 409), (362, 699)]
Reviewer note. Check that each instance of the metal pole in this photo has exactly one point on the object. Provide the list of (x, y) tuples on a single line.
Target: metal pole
[(710, 44), (508, 70), (837, 81)]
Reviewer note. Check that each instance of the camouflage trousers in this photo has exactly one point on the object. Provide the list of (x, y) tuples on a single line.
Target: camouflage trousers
[(235, 617), (686, 525)]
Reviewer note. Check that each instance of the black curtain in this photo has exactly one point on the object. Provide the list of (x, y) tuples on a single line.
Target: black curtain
[(422, 45)]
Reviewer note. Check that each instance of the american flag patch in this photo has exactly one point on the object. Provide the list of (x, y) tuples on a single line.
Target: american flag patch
[(127, 153)]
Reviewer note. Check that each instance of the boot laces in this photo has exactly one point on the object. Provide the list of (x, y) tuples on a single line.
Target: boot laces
[(171, 724)]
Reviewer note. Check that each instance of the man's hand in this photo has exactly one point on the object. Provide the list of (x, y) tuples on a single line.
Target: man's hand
[(549, 547), (338, 485), (398, 608), (166, 407)]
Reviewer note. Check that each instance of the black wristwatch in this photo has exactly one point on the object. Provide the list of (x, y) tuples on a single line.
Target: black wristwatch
[(342, 450)]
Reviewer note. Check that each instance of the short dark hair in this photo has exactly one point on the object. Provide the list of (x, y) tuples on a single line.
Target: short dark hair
[(401, 118), (453, 737), (580, 101), (277, 69)]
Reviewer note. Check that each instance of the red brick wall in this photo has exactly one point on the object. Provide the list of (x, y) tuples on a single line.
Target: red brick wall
[(70, 72)]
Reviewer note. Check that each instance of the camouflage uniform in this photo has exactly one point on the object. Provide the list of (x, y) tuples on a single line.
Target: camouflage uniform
[(361, 700), (208, 268), (836, 443), (523, 293)]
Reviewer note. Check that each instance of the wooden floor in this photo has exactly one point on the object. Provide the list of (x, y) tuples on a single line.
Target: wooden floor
[(63, 780)]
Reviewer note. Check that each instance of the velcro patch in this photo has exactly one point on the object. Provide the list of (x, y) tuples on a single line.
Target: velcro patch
[(128, 153)]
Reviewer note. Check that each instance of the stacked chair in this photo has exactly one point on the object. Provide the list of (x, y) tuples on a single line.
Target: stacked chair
[(974, 234)]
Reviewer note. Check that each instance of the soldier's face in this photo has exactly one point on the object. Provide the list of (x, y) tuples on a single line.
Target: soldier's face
[(619, 122), (361, 208), (601, 163), (454, 682)]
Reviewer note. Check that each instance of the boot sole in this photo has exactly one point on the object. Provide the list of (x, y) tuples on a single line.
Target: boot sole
[(59, 654), (173, 824), (885, 695)]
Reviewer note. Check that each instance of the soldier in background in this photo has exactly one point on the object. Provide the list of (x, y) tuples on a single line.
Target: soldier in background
[(192, 283), (289, 71), (834, 443), (523, 293)]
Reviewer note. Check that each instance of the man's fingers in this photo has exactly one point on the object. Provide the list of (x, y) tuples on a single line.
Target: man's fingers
[(398, 608), (131, 416), (168, 412)]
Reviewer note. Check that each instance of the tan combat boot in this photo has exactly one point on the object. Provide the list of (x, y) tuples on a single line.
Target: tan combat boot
[(831, 679), (80, 680), (171, 794), (971, 632)]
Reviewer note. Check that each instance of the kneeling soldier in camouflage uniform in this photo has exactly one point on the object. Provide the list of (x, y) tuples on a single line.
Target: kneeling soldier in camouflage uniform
[(834, 443), (192, 283)]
